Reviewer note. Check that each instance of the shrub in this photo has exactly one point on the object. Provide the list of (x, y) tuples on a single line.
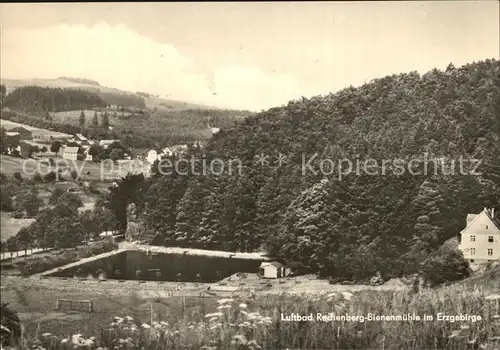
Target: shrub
[(17, 175), (97, 248), (38, 264), (74, 174), (11, 322), (447, 264), (37, 177), (56, 194), (50, 177)]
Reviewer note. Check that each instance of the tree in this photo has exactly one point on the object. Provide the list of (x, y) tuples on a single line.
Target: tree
[(70, 199), (116, 154), (12, 245), (447, 264), (105, 120), (55, 146), (74, 174), (6, 203), (96, 151), (95, 120), (10, 320), (17, 176), (29, 202), (25, 239), (56, 194), (81, 120)]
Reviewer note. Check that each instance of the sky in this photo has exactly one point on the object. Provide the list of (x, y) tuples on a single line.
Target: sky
[(242, 55)]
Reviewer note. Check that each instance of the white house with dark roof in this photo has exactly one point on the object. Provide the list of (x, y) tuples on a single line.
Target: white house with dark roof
[(70, 153), (272, 269), (480, 239)]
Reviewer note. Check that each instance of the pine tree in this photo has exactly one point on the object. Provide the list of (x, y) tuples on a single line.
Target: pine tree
[(95, 120), (82, 120), (105, 120)]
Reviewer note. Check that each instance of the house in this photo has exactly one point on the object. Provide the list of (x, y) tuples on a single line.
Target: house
[(70, 153), (480, 239), (152, 156), (86, 155), (81, 140), (24, 134), (12, 141), (272, 269), (105, 143), (178, 149)]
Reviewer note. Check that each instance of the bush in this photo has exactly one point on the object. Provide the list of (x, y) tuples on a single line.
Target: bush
[(50, 177), (446, 265), (74, 174), (10, 321), (56, 194), (97, 248), (17, 175), (38, 264), (37, 177)]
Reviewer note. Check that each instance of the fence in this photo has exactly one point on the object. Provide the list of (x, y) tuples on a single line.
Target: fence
[(74, 305)]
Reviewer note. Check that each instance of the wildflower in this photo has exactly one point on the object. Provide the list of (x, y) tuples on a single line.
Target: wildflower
[(243, 306), (464, 326), (45, 335), (215, 314), (129, 319), (145, 326), (64, 341)]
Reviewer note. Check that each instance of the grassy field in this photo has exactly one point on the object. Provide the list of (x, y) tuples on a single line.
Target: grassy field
[(89, 171), (10, 226), (243, 323), (7, 124)]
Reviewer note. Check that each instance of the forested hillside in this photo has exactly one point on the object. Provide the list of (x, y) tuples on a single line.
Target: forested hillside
[(353, 225), (36, 99)]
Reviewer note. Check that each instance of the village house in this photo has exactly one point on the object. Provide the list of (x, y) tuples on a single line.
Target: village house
[(12, 140), (70, 153), (480, 239), (81, 140), (87, 156), (24, 134), (273, 269), (105, 143), (152, 156)]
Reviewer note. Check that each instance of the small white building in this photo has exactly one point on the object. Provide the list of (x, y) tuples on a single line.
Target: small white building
[(480, 239), (70, 153), (105, 234), (152, 156), (105, 143), (272, 269)]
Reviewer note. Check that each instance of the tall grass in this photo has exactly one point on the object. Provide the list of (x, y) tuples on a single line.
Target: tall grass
[(257, 323)]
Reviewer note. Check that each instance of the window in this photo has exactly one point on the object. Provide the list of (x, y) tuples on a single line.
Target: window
[(473, 251), (490, 252), (472, 238), (471, 260), (486, 226), (490, 239)]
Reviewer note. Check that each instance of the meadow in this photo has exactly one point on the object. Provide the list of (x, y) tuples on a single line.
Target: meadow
[(130, 320)]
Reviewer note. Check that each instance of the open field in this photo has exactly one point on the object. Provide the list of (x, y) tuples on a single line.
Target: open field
[(7, 124), (259, 319), (89, 171), (10, 226)]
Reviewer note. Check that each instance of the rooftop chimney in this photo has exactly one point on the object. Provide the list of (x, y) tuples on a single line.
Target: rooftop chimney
[(492, 213)]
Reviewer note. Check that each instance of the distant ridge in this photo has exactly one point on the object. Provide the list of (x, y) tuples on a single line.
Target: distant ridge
[(80, 80)]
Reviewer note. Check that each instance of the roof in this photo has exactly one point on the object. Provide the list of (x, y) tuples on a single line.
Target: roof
[(11, 133), (70, 150), (81, 137), (473, 217), (272, 263), (20, 128), (107, 142), (470, 218)]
